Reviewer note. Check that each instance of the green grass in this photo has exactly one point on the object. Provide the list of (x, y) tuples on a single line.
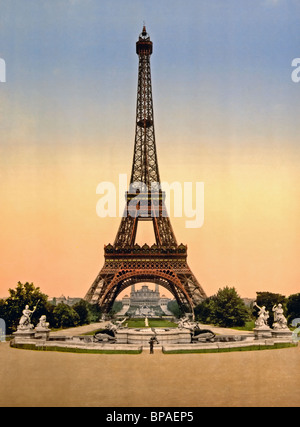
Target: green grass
[(153, 323), (73, 350), (228, 349), (248, 326), (136, 323), (140, 323)]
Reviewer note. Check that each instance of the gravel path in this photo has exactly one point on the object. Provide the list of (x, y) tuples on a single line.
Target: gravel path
[(256, 378)]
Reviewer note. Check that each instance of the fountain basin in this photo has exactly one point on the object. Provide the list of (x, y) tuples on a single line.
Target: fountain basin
[(143, 335)]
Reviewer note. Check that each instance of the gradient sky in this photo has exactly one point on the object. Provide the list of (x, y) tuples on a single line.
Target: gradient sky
[(226, 114)]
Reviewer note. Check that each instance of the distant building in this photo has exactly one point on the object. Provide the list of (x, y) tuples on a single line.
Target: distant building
[(145, 296), (144, 300), (65, 300), (248, 301)]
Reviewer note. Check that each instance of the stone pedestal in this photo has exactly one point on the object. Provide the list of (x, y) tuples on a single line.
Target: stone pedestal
[(21, 335), (42, 333), (184, 337), (282, 333), (262, 332), (122, 336)]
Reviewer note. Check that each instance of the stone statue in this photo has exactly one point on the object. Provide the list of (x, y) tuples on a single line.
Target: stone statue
[(197, 334), (24, 323), (119, 323), (42, 329), (184, 322), (42, 323), (263, 315), (146, 322), (109, 333), (280, 321)]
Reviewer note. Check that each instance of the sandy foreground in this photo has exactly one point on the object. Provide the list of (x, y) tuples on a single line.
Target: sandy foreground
[(254, 378)]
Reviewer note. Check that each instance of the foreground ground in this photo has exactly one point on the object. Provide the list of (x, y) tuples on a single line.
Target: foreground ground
[(256, 378)]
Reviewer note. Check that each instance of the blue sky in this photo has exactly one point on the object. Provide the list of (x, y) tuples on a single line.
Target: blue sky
[(232, 58)]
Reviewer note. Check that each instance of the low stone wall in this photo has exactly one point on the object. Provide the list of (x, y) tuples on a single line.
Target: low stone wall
[(70, 344), (249, 342), (143, 335)]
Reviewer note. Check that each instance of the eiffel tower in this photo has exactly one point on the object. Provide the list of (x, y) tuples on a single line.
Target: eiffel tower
[(165, 262)]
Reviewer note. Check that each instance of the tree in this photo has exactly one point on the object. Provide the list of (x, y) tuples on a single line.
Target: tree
[(95, 312), (65, 316), (82, 309), (226, 308), (117, 307), (174, 308), (229, 308), (204, 311), (293, 307), (269, 299), (24, 294)]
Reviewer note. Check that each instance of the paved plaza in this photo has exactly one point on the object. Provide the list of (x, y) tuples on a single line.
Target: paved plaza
[(254, 378)]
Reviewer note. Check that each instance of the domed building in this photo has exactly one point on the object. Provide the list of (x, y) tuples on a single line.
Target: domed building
[(145, 299)]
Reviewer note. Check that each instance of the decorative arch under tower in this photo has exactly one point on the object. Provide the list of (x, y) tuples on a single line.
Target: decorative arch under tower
[(165, 262)]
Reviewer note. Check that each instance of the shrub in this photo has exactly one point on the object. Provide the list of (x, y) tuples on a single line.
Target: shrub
[(226, 308), (65, 316)]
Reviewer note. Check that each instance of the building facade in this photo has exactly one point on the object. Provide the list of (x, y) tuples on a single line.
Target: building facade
[(145, 297)]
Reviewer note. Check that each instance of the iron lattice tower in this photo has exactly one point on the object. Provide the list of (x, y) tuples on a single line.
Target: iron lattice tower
[(127, 263)]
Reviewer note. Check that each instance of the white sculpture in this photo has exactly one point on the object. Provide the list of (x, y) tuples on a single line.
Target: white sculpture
[(263, 315), (42, 323), (109, 333), (24, 323), (184, 322), (280, 321)]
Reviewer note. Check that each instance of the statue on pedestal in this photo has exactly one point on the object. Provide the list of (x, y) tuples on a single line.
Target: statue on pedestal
[(263, 315), (25, 329), (24, 323), (42, 323), (109, 333), (42, 329), (280, 321), (197, 334), (184, 322)]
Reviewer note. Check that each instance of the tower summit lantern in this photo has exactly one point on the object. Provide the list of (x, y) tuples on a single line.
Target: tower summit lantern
[(125, 262)]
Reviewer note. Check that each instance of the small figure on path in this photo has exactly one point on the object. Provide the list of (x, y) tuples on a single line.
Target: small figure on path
[(151, 342)]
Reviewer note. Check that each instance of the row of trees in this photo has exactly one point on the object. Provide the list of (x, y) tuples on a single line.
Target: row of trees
[(59, 316), (226, 308), (291, 304)]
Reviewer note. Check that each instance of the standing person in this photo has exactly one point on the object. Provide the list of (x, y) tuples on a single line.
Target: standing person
[(151, 342)]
